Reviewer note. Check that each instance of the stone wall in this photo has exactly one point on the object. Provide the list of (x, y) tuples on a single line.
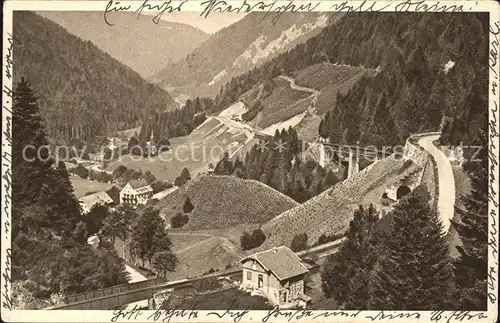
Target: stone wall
[(415, 153), (429, 179)]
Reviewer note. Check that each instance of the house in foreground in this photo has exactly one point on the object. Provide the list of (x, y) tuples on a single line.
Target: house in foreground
[(279, 274), (87, 202), (136, 192)]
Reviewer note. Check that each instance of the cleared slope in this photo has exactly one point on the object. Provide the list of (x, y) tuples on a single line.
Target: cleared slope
[(224, 201), (158, 44), (331, 211)]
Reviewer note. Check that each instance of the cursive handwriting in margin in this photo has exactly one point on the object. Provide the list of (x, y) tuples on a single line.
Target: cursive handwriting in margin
[(146, 6), (7, 95), (494, 31), (222, 6)]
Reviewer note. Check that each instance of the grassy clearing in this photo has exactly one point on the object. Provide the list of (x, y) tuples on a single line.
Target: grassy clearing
[(225, 201), (181, 242), (213, 253), (282, 103), (195, 151), (83, 186)]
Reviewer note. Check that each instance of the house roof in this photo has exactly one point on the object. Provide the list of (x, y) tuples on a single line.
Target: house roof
[(114, 193), (93, 199), (138, 183), (282, 261)]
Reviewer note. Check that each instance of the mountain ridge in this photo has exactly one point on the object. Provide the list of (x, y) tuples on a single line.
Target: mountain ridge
[(83, 91), (253, 40), (157, 42)]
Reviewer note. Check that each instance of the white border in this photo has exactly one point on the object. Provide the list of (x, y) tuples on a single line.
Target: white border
[(259, 316)]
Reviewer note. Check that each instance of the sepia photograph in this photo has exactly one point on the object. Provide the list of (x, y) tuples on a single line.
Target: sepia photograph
[(305, 161)]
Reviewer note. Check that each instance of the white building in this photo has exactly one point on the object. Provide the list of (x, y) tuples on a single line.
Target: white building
[(136, 192), (87, 202)]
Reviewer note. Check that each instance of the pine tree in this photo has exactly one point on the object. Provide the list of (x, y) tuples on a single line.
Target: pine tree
[(188, 206), (149, 235), (164, 261), (345, 273), (48, 235), (471, 267), (415, 273)]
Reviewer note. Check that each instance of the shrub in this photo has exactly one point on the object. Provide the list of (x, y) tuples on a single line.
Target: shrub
[(188, 206), (299, 242), (179, 220), (249, 241), (208, 284)]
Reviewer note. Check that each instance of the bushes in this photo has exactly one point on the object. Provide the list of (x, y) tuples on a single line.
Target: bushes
[(322, 239), (205, 285), (179, 220), (249, 241), (299, 242), (81, 171)]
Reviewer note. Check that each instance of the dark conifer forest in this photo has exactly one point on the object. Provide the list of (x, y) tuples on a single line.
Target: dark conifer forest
[(412, 91), (49, 234), (83, 92)]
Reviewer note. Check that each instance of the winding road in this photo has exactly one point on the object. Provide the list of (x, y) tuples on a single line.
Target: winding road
[(446, 181)]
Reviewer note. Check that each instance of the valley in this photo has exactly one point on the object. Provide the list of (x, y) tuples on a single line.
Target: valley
[(257, 151)]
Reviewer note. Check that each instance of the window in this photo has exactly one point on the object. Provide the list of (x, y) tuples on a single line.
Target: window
[(261, 280), (249, 275)]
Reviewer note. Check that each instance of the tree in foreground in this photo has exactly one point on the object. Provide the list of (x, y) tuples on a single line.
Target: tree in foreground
[(415, 272), (49, 250), (345, 274), (118, 223), (149, 236), (164, 261), (471, 267)]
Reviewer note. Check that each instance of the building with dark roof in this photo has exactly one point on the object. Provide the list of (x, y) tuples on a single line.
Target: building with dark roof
[(279, 274), (87, 202)]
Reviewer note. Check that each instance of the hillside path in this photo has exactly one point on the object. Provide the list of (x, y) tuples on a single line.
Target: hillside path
[(446, 181), (294, 85), (210, 238)]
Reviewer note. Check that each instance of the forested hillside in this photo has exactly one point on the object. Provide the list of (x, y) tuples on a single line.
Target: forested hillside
[(238, 48), (159, 43), (82, 91), (278, 163), (425, 71)]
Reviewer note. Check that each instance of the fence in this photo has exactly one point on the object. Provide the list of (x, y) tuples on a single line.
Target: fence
[(125, 294), (114, 290)]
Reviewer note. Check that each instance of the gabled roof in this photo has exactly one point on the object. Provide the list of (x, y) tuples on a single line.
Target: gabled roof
[(282, 261), (138, 183), (93, 199)]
